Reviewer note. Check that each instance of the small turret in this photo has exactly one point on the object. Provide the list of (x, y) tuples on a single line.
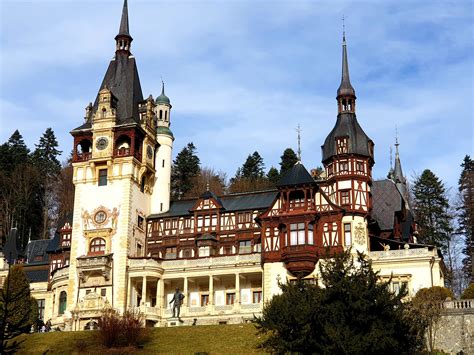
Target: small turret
[(163, 110)]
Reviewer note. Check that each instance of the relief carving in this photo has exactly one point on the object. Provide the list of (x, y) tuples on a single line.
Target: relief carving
[(360, 233)]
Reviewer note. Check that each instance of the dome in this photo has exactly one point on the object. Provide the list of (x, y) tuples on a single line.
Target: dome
[(162, 99)]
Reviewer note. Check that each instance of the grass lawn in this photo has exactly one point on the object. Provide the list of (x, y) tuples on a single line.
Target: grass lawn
[(212, 339)]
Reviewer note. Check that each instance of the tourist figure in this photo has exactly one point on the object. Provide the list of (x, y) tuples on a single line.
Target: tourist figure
[(177, 301)]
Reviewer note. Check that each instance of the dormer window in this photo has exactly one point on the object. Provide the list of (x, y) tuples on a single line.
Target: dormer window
[(342, 145)]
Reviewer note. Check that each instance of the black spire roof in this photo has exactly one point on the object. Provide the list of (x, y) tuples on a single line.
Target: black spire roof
[(124, 29), (122, 79), (346, 124), (297, 175), (345, 89)]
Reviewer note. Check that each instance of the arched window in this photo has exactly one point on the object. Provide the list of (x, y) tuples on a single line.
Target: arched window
[(97, 246), (62, 302)]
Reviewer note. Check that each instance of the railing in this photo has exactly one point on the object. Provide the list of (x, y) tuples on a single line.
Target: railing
[(143, 263), (209, 309), (461, 304), (83, 156), (214, 261), (122, 152), (62, 272), (94, 261), (401, 253), (252, 307), (150, 311)]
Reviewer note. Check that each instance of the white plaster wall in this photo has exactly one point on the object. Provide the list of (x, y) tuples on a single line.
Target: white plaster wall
[(162, 183)]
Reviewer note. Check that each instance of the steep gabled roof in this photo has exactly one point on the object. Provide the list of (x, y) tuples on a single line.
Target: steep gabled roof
[(37, 249), (12, 248), (386, 201), (236, 202), (297, 175)]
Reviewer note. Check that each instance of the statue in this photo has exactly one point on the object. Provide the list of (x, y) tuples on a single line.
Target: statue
[(177, 301)]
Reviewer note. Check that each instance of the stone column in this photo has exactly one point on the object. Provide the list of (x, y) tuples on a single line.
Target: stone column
[(144, 290), (211, 290), (237, 288), (185, 291), (130, 292), (158, 292)]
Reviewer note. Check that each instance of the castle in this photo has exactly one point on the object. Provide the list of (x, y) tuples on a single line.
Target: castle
[(128, 245)]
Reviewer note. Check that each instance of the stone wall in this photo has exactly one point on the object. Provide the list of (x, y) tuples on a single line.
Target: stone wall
[(455, 330)]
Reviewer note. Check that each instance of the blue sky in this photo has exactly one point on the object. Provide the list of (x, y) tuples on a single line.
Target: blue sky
[(241, 75)]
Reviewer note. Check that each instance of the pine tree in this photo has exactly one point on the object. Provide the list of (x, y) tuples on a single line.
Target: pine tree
[(353, 313), (18, 310), (46, 155), (253, 167), (19, 185), (466, 215), (45, 158), (273, 176), (431, 209), (251, 176), (288, 160), (185, 168)]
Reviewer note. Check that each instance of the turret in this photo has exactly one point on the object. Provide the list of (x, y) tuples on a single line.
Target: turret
[(160, 201)]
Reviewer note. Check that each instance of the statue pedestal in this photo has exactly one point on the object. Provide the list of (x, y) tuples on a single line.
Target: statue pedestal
[(174, 322)]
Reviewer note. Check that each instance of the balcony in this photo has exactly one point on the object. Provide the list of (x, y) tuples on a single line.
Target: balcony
[(83, 156), (100, 264), (214, 262), (300, 259), (403, 253), (216, 310)]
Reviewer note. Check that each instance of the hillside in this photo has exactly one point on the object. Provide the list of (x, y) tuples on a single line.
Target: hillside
[(215, 339)]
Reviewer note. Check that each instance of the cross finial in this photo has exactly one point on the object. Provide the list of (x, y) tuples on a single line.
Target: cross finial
[(299, 142)]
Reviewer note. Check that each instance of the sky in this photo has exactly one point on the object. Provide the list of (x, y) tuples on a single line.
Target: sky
[(242, 75)]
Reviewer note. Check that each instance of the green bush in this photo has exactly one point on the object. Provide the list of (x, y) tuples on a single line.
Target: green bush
[(468, 293)]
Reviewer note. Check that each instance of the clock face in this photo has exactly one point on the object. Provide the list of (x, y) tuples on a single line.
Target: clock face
[(101, 143), (100, 217), (149, 152)]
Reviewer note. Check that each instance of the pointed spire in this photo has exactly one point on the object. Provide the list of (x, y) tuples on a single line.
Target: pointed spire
[(123, 38), (345, 89), (397, 170), (124, 30)]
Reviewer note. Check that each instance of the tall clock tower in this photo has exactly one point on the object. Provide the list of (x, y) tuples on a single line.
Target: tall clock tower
[(115, 177)]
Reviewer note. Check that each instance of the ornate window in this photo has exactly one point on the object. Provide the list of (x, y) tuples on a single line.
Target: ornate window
[(62, 302), (347, 234), (170, 253), (41, 309), (103, 177), (345, 197), (229, 298), (257, 296), (204, 300), (342, 144), (97, 246), (245, 247), (297, 234), (66, 239), (360, 167), (344, 166)]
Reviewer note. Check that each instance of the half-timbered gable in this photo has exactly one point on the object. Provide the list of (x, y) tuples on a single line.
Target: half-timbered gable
[(214, 226)]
